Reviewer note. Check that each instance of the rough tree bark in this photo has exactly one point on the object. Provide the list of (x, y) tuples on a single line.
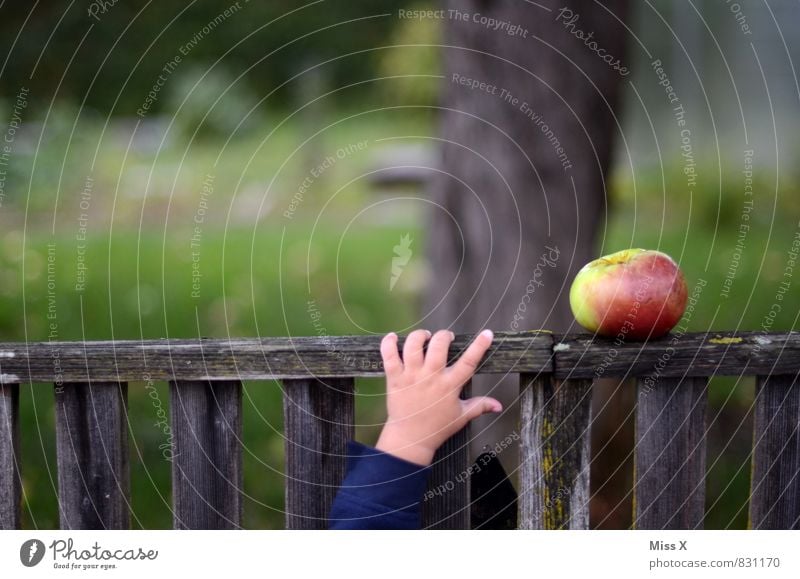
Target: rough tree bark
[(508, 193)]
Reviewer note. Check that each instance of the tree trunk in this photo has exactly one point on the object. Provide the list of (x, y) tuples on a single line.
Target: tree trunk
[(524, 157)]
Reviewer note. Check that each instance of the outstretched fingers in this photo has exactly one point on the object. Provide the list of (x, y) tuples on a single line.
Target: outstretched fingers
[(469, 361), (392, 364), (480, 405), (436, 358), (413, 349)]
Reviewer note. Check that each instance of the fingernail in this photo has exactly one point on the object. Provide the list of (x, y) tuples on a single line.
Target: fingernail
[(391, 335), (452, 336), (488, 333), (429, 333)]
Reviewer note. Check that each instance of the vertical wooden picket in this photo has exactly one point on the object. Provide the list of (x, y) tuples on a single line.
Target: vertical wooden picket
[(319, 419), (554, 452), (92, 452), (10, 504), (775, 485), (207, 463), (670, 454)]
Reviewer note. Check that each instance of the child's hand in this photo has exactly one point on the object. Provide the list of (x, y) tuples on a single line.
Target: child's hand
[(423, 393)]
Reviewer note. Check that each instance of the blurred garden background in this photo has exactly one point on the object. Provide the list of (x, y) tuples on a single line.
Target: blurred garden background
[(210, 168)]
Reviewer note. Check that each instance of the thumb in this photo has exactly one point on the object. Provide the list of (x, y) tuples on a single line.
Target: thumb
[(479, 405)]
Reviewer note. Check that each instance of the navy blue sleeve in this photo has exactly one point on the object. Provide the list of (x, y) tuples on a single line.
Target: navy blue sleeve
[(379, 491)]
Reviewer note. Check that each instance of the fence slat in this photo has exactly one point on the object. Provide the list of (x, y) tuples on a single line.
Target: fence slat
[(448, 507), (10, 505), (319, 418), (670, 454), (555, 418), (207, 463), (775, 486), (243, 358), (92, 450), (699, 354)]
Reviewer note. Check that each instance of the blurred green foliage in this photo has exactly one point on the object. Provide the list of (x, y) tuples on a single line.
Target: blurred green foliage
[(115, 55)]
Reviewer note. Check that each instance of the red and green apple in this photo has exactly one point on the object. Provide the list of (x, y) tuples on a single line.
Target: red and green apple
[(634, 293)]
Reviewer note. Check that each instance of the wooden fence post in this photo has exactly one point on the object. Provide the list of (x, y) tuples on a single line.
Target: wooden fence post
[(207, 462), (670, 453), (775, 486), (10, 504), (554, 452), (92, 449), (319, 418)]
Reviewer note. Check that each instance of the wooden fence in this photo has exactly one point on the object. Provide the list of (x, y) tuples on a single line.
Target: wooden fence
[(555, 375)]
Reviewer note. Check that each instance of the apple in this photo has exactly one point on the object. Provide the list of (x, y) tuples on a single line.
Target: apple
[(634, 293)]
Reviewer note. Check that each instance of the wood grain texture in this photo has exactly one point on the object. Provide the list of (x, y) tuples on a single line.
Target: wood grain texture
[(244, 358), (319, 419), (555, 419), (207, 462), (572, 356), (446, 502), (775, 484), (92, 451), (670, 454), (10, 499), (713, 354)]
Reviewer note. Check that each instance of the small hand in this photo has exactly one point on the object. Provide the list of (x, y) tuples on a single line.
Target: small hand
[(423, 404)]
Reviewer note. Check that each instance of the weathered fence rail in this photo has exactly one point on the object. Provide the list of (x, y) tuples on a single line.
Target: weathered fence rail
[(555, 372)]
